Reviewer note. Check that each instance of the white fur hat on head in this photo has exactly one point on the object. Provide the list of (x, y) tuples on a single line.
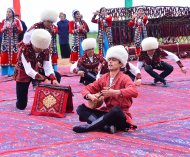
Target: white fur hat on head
[(41, 38), (89, 43), (12, 9), (74, 12), (118, 52), (49, 15), (149, 43)]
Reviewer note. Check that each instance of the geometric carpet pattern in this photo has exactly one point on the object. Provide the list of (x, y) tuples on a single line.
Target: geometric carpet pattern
[(162, 115)]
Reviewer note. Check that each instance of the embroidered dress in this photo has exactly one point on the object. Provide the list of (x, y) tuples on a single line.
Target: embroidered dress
[(10, 32), (139, 24), (78, 35), (104, 33)]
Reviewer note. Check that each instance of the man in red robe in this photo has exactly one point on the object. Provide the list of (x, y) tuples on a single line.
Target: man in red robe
[(116, 89)]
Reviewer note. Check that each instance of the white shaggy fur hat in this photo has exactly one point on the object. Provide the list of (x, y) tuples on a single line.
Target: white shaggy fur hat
[(12, 9), (49, 15), (74, 12), (89, 43), (41, 38), (149, 43), (118, 52)]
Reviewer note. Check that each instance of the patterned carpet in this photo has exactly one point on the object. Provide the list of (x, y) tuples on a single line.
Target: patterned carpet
[(161, 113)]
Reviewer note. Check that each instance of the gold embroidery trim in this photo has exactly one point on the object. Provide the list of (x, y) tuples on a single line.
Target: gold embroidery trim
[(49, 101)]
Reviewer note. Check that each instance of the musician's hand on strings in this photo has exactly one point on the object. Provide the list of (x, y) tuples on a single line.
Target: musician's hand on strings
[(107, 91)]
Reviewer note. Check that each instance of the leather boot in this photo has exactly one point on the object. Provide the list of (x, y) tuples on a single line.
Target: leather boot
[(97, 124), (107, 128), (110, 129)]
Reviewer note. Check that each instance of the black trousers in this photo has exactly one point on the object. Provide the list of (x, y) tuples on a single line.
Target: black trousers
[(163, 66), (114, 117), (65, 50), (22, 94)]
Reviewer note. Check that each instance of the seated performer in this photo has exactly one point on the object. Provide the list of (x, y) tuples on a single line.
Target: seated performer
[(114, 88), (87, 65), (31, 57), (150, 58)]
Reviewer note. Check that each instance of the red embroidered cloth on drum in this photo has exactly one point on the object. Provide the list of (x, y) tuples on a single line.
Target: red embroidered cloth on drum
[(52, 101)]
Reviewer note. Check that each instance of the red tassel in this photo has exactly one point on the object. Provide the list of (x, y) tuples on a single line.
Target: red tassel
[(54, 59), (74, 56), (100, 52), (138, 51)]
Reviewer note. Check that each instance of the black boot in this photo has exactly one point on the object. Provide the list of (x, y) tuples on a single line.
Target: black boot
[(165, 83), (97, 124), (155, 82), (110, 129), (107, 128)]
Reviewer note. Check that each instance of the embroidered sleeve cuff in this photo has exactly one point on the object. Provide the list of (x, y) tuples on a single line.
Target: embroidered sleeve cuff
[(52, 77)]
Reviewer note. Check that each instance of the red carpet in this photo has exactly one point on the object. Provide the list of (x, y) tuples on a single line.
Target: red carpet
[(162, 115)]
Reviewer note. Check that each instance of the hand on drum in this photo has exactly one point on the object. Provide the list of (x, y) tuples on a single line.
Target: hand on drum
[(47, 81), (55, 82)]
